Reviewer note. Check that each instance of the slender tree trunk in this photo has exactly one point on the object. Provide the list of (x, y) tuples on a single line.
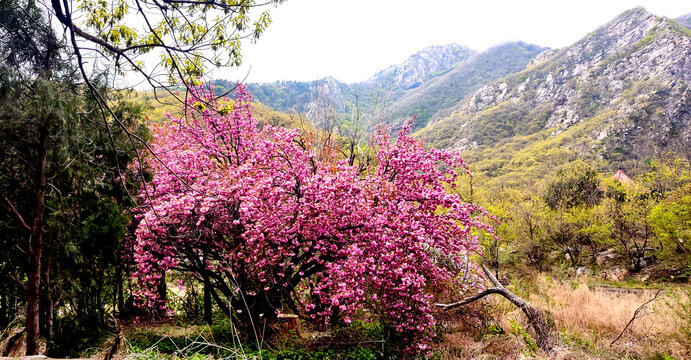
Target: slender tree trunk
[(162, 289), (47, 305), (119, 289), (99, 298), (35, 247), (3, 306), (207, 302)]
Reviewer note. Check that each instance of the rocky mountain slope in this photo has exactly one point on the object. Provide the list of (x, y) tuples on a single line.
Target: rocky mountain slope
[(427, 84), (436, 98), (620, 94), (423, 65)]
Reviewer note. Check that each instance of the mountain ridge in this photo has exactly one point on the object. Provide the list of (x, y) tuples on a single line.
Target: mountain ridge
[(422, 65), (449, 73), (620, 94), (435, 99)]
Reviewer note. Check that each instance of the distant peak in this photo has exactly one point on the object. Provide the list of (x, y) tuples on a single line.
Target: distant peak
[(446, 46), (638, 12), (425, 63), (685, 20)]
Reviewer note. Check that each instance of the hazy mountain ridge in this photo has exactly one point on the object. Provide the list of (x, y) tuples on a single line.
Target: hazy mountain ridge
[(685, 20), (422, 66), (428, 84), (629, 80), (437, 97), (307, 96)]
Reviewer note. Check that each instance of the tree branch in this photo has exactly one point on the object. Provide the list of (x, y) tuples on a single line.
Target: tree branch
[(19, 216), (635, 314), (536, 317), (472, 298)]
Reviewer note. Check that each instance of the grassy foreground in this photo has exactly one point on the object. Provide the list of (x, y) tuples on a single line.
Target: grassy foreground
[(587, 316)]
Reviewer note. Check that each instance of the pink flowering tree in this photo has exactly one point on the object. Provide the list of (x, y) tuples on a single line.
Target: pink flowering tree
[(253, 212)]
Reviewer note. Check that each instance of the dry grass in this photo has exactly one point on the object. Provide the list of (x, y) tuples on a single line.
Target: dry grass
[(587, 320), (462, 346), (594, 318)]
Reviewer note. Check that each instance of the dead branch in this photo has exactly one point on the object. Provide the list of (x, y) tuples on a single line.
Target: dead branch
[(19, 216), (536, 317), (635, 314)]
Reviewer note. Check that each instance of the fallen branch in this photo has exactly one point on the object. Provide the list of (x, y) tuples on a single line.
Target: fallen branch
[(635, 314), (536, 317)]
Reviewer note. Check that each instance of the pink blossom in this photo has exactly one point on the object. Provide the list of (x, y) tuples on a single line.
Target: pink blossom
[(260, 200)]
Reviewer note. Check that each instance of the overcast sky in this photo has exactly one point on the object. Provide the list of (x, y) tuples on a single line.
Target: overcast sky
[(351, 40)]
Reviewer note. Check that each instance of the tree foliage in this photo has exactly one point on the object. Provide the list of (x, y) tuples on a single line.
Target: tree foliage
[(189, 36), (84, 217), (575, 184), (575, 213), (60, 182), (270, 224)]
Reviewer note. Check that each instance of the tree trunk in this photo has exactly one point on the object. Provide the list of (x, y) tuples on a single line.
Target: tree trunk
[(256, 314), (47, 305), (35, 247), (207, 302), (3, 306), (119, 289), (536, 317), (162, 291)]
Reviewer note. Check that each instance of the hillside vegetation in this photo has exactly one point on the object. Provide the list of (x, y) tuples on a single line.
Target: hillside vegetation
[(620, 95), (428, 84)]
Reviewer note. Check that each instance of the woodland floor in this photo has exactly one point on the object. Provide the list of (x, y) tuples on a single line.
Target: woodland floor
[(587, 313)]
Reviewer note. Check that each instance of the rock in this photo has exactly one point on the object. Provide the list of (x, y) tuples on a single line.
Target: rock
[(582, 271), (605, 256), (616, 274), (416, 69)]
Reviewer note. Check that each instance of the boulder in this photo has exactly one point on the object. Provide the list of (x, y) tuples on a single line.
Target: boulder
[(606, 256), (616, 274), (582, 271)]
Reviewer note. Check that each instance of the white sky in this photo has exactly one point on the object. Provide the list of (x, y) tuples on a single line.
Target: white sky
[(351, 40)]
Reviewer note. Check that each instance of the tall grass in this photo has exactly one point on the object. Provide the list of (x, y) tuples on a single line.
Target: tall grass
[(190, 342), (593, 318), (587, 320)]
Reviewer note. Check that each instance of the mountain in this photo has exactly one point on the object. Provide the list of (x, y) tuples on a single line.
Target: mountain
[(426, 84), (305, 97), (297, 96), (685, 20), (617, 96), (423, 65), (435, 98)]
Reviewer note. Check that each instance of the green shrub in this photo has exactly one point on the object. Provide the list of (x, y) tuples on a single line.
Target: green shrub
[(518, 331)]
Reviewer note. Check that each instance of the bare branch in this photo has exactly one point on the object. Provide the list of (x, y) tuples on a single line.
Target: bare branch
[(536, 317), (635, 314), (19, 216), (472, 298)]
